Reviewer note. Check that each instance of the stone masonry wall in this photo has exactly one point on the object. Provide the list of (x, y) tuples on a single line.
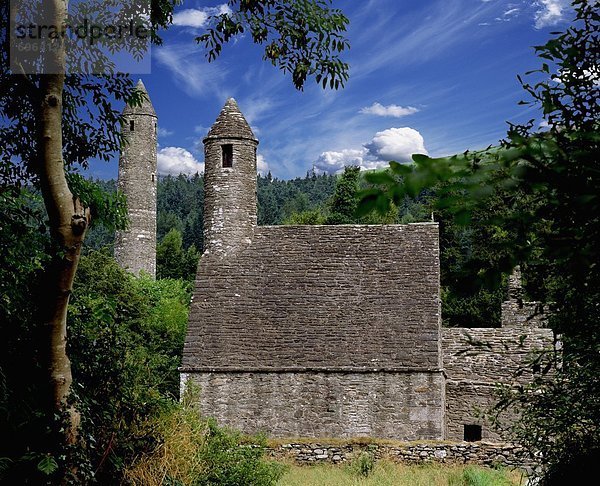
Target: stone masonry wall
[(481, 453), (229, 192), (402, 406), (135, 248), (516, 312), (475, 360), (519, 313), (229, 196)]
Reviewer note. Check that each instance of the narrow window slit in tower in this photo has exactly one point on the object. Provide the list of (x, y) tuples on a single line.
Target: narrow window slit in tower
[(227, 155), (131, 125)]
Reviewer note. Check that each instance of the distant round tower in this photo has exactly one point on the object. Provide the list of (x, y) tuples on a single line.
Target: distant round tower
[(229, 182), (135, 248)]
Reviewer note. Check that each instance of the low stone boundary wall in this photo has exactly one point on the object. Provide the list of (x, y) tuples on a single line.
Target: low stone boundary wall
[(482, 453)]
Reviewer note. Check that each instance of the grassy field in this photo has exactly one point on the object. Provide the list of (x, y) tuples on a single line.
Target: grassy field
[(386, 473)]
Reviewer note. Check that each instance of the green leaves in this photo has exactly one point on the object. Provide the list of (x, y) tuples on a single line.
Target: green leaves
[(107, 208), (303, 37), (47, 465)]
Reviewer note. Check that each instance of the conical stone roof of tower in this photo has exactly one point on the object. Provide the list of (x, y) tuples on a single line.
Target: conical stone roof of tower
[(231, 124), (145, 108)]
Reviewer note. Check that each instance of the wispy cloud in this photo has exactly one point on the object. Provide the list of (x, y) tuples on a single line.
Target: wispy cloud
[(190, 70), (550, 12), (197, 18), (395, 111), (447, 25), (164, 132), (511, 12)]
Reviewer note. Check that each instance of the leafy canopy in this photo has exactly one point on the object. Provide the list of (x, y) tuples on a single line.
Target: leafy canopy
[(301, 37)]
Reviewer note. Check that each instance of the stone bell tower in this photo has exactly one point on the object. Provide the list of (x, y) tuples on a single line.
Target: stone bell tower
[(229, 182), (135, 248)]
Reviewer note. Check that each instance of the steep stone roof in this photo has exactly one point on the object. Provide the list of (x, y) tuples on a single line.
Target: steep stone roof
[(145, 108), (330, 298), (231, 124)]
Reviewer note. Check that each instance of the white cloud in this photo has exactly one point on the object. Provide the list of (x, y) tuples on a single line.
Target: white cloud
[(511, 12), (261, 164), (550, 12), (190, 18), (333, 162), (177, 160), (396, 144), (198, 18), (164, 132), (391, 110)]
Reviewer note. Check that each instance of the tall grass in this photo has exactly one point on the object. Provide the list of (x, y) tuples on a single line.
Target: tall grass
[(386, 473), (194, 451)]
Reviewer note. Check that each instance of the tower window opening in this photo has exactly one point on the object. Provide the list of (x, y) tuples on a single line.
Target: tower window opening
[(131, 125), (227, 155), (472, 433), (153, 176)]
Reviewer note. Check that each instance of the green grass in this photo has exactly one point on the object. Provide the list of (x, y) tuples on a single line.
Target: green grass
[(386, 473)]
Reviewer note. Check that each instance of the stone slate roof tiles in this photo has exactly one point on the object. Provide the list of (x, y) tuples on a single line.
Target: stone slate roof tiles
[(231, 124), (145, 108), (330, 298)]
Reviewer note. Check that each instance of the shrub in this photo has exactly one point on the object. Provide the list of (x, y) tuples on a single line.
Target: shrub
[(125, 346), (363, 465), (193, 450)]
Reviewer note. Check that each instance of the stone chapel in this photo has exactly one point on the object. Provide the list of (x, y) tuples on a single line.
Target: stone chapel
[(322, 331)]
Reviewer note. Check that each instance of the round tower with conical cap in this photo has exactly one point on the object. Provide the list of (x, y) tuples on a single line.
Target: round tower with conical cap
[(229, 182), (135, 248)]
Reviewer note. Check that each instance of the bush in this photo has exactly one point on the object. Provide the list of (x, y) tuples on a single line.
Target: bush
[(125, 345), (192, 450)]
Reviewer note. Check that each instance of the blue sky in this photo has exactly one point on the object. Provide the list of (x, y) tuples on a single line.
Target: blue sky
[(436, 77)]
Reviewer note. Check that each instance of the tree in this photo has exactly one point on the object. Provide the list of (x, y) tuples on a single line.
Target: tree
[(302, 37), (554, 222), (345, 198), (172, 261), (50, 128)]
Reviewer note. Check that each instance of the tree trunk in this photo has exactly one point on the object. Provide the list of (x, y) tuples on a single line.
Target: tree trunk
[(68, 223)]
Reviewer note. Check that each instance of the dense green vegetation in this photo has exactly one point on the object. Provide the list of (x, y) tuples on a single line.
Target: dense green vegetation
[(126, 338)]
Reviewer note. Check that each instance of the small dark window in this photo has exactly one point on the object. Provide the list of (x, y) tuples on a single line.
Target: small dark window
[(153, 176), (131, 125), (472, 433), (227, 155), (537, 368)]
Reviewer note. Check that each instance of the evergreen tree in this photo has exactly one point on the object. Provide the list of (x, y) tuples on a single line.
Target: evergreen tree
[(342, 209), (173, 261)]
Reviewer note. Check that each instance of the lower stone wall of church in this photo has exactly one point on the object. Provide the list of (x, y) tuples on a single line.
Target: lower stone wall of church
[(467, 404), (395, 405)]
